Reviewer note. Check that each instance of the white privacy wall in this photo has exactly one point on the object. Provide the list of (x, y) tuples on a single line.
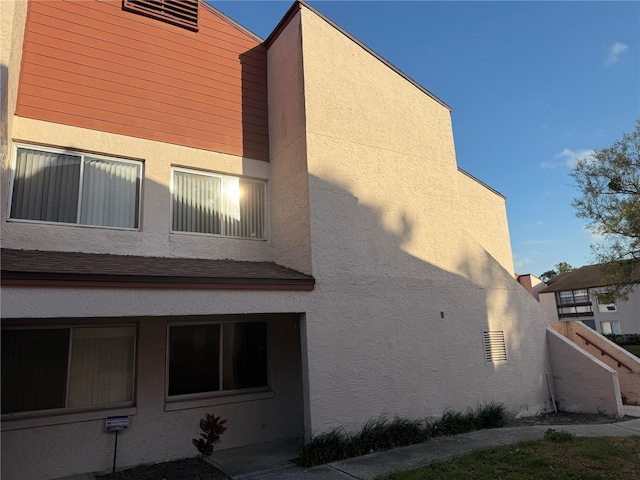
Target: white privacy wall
[(582, 383)]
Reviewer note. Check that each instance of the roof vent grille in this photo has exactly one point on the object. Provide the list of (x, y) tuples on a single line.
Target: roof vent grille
[(183, 13), (495, 348)]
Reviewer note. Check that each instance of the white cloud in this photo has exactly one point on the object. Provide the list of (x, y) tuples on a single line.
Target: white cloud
[(566, 158), (536, 224), (595, 236), (545, 241), (615, 51), (520, 262)]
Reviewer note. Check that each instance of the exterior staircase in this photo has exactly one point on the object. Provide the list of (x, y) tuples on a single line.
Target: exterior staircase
[(591, 373)]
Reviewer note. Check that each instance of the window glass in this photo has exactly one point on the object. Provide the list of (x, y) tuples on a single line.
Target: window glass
[(45, 186), (606, 302), (581, 296), (101, 366), (217, 204), (68, 188), (245, 355), (110, 193), (194, 359), (566, 297), (609, 328), (34, 369), (73, 367), (217, 357)]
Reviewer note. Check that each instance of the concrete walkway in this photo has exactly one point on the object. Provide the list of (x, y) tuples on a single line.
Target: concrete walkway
[(275, 460)]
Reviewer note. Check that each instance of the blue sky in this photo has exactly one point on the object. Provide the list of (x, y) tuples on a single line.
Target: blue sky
[(532, 85)]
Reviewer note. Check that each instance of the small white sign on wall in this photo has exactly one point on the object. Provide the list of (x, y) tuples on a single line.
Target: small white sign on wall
[(116, 423)]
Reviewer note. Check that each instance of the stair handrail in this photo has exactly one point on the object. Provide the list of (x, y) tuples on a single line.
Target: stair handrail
[(603, 352)]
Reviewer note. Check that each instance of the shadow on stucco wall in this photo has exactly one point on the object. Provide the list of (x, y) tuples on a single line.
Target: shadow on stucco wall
[(4, 122), (399, 334), (255, 130), (387, 332)]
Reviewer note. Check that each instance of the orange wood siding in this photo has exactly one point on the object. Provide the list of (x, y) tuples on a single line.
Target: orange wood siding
[(90, 64)]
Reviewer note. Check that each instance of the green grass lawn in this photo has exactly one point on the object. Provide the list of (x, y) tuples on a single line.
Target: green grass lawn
[(580, 458), (635, 349)]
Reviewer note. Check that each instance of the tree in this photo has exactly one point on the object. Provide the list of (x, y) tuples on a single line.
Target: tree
[(609, 185), (562, 267)]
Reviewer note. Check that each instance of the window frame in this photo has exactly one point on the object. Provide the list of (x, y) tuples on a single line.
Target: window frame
[(221, 176), (82, 156), (605, 307), (218, 393), (573, 304), (88, 408), (610, 322)]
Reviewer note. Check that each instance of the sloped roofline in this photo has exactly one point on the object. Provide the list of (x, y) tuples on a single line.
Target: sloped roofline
[(588, 276), (464, 172), (297, 6), (224, 17)]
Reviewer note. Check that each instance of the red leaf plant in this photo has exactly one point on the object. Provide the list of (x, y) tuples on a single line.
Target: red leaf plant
[(212, 427)]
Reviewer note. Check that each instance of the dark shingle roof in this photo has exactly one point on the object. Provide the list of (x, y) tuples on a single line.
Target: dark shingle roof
[(589, 276), (40, 267)]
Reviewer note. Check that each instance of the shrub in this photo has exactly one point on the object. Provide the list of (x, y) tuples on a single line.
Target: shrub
[(452, 423), (558, 436), (624, 338), (212, 427), (324, 448), (381, 434), (490, 415)]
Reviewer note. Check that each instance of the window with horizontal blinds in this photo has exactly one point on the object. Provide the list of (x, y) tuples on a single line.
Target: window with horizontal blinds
[(183, 13), (65, 187), (216, 204)]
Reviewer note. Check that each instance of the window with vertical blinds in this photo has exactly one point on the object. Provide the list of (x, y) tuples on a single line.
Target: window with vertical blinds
[(65, 187), (215, 204), (70, 367)]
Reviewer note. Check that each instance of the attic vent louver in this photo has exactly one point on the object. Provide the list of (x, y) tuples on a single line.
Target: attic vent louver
[(495, 349), (183, 13)]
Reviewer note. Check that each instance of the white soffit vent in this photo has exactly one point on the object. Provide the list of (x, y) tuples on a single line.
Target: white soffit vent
[(495, 348)]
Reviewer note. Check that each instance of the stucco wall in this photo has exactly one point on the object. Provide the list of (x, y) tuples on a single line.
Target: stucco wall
[(629, 379), (483, 213), (13, 15), (289, 188), (582, 383), (404, 289), (627, 312), (153, 237), (548, 303), (68, 444)]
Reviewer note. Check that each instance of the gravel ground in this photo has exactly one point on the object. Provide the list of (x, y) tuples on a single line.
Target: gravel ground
[(196, 469), (186, 469)]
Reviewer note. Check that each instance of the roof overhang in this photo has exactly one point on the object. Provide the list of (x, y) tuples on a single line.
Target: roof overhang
[(33, 268)]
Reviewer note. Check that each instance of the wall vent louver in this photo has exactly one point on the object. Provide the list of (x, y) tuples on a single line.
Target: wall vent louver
[(495, 348), (183, 13)]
